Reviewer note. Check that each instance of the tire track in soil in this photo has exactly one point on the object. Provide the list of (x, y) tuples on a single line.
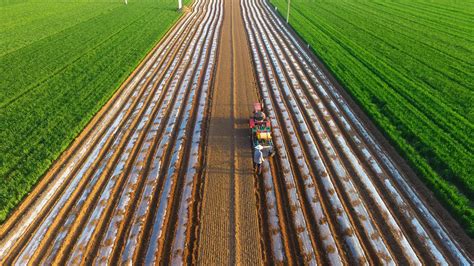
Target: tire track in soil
[(228, 192)]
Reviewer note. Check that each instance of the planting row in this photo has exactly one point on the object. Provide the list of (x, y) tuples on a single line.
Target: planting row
[(412, 82), (328, 178), (60, 74), (99, 206)]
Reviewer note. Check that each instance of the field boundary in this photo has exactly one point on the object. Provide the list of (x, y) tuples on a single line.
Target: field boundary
[(436, 207), (58, 164)]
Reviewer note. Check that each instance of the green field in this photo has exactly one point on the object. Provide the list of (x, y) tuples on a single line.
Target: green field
[(409, 64), (60, 61)]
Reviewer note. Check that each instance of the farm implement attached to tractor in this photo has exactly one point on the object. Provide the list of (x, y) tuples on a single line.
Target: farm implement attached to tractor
[(261, 131)]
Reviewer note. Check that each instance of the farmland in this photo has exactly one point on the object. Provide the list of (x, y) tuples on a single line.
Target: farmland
[(162, 173), (410, 67), (59, 63)]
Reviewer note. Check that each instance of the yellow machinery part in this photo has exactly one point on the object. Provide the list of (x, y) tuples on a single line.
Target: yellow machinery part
[(264, 136)]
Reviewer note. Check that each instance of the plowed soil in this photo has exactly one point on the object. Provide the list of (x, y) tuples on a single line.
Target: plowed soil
[(163, 174), (229, 227)]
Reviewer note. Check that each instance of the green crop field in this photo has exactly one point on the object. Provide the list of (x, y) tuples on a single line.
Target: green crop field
[(410, 65), (60, 61)]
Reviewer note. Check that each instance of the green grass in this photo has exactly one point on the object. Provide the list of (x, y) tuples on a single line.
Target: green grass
[(409, 64), (59, 63)]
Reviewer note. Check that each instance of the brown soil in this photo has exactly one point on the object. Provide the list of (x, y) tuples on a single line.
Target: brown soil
[(229, 230)]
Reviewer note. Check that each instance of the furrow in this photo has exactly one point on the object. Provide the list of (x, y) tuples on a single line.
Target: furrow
[(64, 230), (372, 152), (336, 134), (98, 151), (276, 236), (351, 240), (182, 235), (109, 244), (112, 188), (78, 149), (363, 154), (298, 216), (161, 221), (105, 127)]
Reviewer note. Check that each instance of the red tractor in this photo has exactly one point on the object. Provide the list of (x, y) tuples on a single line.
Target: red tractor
[(261, 130)]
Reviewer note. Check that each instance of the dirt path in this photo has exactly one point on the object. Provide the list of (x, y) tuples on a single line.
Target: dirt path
[(229, 230)]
